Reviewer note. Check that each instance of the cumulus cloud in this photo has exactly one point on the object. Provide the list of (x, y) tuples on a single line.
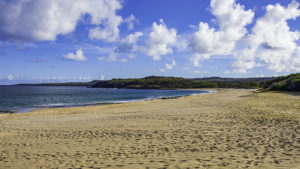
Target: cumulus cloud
[(160, 40), (162, 70), (231, 19), (130, 21), (44, 20), (271, 42), (127, 45), (244, 61), (10, 77), (77, 56), (112, 57), (169, 66)]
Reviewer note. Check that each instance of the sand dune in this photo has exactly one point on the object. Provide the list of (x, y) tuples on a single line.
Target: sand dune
[(229, 129)]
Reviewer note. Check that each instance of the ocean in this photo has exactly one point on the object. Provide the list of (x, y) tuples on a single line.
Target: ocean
[(25, 98)]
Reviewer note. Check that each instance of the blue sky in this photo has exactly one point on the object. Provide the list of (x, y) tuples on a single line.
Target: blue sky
[(74, 40)]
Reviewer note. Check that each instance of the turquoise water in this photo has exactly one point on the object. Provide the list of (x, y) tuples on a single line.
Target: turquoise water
[(24, 98)]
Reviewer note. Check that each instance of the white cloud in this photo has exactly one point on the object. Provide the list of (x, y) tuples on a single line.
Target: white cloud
[(271, 42), (112, 57), (193, 26), (231, 19), (244, 61), (128, 44), (77, 56), (182, 43), (44, 20), (131, 56), (130, 21), (199, 72), (109, 33), (124, 60), (170, 66), (162, 70), (160, 40), (10, 77)]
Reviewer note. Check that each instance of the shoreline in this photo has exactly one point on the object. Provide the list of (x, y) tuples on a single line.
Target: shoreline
[(27, 110)]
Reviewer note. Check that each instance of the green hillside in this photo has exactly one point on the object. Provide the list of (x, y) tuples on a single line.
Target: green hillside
[(284, 83), (160, 82)]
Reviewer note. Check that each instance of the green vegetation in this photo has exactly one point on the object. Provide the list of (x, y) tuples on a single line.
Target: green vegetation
[(283, 83), (159, 82)]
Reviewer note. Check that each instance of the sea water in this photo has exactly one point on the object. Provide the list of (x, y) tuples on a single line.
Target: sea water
[(25, 98)]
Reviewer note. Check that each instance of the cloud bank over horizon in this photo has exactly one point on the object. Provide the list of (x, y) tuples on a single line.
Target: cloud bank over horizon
[(249, 42)]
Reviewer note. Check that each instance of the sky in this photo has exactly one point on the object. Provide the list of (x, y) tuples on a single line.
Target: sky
[(45, 41)]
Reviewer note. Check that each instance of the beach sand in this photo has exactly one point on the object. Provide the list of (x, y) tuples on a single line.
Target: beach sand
[(233, 128)]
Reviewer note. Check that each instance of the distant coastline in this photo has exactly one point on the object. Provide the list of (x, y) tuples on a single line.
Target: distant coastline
[(283, 83), (165, 83)]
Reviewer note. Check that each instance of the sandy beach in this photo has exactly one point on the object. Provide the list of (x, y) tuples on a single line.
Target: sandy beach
[(233, 128)]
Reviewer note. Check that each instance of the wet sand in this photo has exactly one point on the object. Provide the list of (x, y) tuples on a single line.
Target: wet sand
[(234, 128)]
